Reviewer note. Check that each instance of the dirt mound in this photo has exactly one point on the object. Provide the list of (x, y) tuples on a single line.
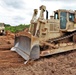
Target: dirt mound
[(7, 41), (10, 34)]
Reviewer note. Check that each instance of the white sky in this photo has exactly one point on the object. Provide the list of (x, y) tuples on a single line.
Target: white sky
[(17, 12)]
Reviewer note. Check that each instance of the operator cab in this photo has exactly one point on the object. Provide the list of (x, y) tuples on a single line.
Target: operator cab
[(65, 17)]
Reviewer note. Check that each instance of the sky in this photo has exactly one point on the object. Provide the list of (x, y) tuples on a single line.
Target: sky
[(15, 12)]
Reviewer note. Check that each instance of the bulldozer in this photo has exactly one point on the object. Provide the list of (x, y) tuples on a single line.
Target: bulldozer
[(47, 36), (2, 29)]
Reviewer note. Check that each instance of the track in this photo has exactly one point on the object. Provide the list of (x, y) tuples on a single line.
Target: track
[(61, 38)]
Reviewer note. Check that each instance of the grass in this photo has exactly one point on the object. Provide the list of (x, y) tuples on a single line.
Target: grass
[(16, 28)]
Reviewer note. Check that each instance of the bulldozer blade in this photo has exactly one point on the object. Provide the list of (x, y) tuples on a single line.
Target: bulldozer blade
[(27, 47)]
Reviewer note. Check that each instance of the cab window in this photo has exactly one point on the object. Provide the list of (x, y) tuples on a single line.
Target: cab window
[(56, 16), (71, 17)]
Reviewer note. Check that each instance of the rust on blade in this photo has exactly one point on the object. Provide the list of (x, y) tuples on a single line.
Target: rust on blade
[(23, 34)]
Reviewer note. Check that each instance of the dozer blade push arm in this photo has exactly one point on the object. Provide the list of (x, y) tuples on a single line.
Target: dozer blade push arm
[(34, 18), (40, 19)]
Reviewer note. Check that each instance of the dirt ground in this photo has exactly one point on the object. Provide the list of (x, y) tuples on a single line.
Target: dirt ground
[(13, 64)]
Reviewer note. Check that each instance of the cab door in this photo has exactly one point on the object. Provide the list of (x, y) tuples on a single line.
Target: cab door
[(63, 20)]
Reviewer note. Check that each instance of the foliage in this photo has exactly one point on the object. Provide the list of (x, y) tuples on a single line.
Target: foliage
[(16, 28)]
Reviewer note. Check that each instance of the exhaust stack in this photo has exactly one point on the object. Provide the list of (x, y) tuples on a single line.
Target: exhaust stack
[(46, 14)]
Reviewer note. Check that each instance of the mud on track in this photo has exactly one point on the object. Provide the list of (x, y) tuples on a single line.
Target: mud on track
[(12, 64)]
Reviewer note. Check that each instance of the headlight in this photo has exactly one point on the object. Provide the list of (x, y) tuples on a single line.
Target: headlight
[(1, 31)]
